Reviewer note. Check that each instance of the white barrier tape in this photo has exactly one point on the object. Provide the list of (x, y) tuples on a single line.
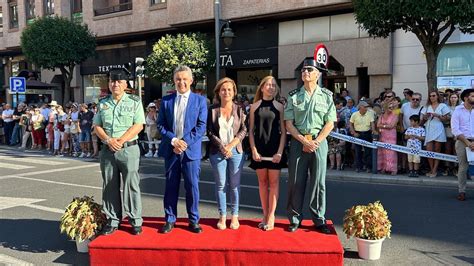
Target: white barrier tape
[(394, 147)]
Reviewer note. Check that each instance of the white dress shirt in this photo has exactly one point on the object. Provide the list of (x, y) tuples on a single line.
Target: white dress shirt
[(462, 122), (8, 113), (185, 98)]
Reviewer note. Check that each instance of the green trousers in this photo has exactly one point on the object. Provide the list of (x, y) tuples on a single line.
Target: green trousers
[(298, 165), (116, 167)]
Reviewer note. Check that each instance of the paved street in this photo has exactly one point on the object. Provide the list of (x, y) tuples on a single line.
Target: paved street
[(430, 227)]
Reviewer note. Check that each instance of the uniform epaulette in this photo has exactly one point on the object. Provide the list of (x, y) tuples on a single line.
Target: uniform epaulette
[(328, 92), (293, 92), (103, 98), (134, 97)]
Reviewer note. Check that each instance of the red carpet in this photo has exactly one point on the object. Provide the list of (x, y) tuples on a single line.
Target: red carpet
[(246, 246)]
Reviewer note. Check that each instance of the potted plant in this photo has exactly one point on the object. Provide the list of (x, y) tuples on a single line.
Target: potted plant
[(81, 220), (370, 225)]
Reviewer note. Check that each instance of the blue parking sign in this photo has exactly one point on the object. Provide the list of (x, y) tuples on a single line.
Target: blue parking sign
[(17, 84)]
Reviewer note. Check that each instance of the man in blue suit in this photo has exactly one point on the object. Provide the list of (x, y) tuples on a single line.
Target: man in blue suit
[(182, 123)]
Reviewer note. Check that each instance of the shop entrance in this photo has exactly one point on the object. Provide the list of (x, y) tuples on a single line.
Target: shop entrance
[(247, 80)]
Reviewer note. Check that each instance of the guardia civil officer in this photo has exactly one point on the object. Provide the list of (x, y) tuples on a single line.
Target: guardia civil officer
[(309, 118), (119, 119)]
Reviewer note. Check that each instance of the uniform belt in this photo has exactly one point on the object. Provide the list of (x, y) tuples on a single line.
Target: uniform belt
[(130, 143)]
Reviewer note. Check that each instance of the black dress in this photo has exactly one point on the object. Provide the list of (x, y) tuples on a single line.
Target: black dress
[(267, 136)]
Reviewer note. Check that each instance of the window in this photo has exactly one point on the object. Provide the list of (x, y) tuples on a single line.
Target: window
[(48, 7), (108, 7), (13, 13), (30, 11), (1, 21), (155, 2), (76, 6), (76, 11)]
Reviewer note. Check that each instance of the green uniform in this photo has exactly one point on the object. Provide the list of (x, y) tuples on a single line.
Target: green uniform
[(309, 114), (116, 119)]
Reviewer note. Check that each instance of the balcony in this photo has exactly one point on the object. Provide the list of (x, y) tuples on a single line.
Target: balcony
[(113, 9)]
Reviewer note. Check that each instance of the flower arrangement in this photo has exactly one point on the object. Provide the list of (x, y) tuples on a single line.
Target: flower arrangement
[(82, 219), (367, 221)]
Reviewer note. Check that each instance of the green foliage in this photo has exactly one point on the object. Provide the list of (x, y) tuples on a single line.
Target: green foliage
[(382, 17), (367, 221), (82, 219), (55, 42), (191, 49)]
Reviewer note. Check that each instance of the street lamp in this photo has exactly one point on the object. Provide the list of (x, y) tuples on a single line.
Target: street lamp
[(139, 72), (227, 36)]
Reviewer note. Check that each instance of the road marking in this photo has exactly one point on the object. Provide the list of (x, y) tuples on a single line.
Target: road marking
[(9, 202), (163, 177), (29, 160), (52, 170), (7, 260), (53, 182), (15, 166)]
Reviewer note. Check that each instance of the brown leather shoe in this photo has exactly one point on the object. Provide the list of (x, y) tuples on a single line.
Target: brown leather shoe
[(462, 196)]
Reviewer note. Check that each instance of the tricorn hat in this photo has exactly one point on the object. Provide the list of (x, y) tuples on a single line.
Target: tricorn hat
[(311, 62), (466, 93), (119, 74)]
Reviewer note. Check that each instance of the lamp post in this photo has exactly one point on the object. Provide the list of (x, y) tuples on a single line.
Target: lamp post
[(227, 35), (139, 72)]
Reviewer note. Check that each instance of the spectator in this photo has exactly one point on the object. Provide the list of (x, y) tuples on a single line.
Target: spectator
[(75, 129), (462, 128), (362, 127), (414, 136), (408, 109), (37, 121), (453, 102), (342, 112), (8, 123), (350, 105), (151, 130), (17, 129), (58, 126), (407, 93), (25, 123), (345, 94), (433, 116), (95, 139), (386, 124), (337, 146), (85, 120)]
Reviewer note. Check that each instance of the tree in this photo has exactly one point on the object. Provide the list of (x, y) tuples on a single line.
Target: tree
[(56, 42), (191, 49), (432, 21)]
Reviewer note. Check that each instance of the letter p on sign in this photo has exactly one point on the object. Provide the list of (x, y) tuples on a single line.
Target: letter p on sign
[(17, 84)]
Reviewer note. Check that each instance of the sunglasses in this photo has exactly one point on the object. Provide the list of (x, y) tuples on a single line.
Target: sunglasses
[(415, 99), (309, 69), (388, 96)]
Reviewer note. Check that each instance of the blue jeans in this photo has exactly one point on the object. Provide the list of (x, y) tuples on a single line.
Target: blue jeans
[(227, 171), (16, 135)]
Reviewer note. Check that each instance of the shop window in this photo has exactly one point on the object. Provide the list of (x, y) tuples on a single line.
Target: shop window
[(95, 87), (103, 7), (13, 13), (456, 59), (48, 7), (30, 11), (248, 81)]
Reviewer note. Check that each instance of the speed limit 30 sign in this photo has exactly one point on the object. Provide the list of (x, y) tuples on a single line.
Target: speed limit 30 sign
[(321, 54)]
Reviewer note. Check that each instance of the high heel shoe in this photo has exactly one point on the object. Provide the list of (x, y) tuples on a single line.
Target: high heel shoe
[(221, 223), (270, 224), (234, 223)]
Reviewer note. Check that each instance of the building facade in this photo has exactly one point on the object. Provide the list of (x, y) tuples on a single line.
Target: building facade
[(272, 38)]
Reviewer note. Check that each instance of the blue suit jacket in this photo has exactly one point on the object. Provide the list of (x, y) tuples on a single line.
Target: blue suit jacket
[(194, 125)]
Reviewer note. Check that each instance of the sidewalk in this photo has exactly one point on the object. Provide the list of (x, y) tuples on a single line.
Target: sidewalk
[(345, 175)]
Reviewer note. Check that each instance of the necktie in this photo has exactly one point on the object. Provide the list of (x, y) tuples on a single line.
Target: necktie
[(180, 117)]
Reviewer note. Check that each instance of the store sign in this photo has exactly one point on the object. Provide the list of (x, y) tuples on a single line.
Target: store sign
[(105, 69), (456, 82), (261, 57)]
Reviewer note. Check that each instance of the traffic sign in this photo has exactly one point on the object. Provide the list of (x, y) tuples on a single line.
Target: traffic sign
[(321, 54), (17, 84)]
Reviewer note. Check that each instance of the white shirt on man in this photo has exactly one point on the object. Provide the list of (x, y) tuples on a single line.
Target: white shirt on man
[(8, 113), (462, 122), (184, 102), (407, 110)]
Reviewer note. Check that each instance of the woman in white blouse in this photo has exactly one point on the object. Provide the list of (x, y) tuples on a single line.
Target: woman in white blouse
[(434, 115), (226, 129)]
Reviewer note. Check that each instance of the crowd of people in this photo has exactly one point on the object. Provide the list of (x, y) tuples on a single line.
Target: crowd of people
[(60, 130)]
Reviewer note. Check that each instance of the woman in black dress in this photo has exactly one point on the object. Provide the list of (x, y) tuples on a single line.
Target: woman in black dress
[(267, 136)]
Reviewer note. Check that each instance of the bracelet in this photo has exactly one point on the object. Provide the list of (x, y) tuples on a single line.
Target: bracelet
[(279, 154)]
